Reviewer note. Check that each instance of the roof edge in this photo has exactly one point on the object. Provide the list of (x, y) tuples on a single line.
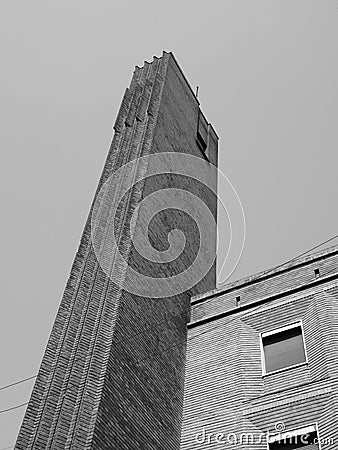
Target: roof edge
[(265, 274)]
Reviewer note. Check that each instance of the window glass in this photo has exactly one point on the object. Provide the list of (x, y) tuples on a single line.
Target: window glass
[(307, 441), (283, 349)]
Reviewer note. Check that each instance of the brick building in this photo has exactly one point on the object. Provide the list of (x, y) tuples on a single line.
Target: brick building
[(128, 371), (262, 360), (112, 375)]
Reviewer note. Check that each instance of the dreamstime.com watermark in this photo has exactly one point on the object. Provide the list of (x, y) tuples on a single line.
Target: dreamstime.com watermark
[(277, 435), (170, 226)]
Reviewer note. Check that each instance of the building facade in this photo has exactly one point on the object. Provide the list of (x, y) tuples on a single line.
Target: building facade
[(250, 365), (262, 360), (112, 375)]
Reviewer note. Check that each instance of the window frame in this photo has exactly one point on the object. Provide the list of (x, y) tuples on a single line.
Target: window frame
[(262, 335), (271, 438)]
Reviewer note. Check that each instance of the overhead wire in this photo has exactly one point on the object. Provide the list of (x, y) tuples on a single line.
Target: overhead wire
[(17, 382), (13, 407), (166, 321)]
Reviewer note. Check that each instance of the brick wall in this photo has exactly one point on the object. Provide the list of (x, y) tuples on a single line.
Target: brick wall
[(225, 390), (113, 371)]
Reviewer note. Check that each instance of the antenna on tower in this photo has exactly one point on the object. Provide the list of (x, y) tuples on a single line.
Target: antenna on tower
[(197, 89)]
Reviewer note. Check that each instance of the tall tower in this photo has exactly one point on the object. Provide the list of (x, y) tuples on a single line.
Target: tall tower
[(112, 375)]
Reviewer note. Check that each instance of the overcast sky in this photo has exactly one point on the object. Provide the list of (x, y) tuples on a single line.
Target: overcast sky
[(268, 77)]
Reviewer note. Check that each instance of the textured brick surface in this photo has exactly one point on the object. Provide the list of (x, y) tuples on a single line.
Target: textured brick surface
[(113, 371), (225, 391)]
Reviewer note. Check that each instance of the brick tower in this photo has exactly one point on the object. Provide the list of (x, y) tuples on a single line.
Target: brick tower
[(112, 375)]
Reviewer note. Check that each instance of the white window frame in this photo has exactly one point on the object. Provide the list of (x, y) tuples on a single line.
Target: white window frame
[(298, 323), (294, 432)]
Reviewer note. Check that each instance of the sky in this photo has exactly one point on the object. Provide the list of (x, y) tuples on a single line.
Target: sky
[(267, 72)]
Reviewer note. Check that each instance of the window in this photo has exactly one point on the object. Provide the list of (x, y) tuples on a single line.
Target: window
[(201, 143), (283, 348), (202, 132), (304, 438)]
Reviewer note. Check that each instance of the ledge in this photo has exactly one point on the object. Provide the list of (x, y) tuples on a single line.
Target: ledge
[(263, 300), (265, 274)]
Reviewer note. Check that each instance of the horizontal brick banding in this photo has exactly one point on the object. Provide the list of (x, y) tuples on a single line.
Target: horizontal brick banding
[(112, 375), (225, 389)]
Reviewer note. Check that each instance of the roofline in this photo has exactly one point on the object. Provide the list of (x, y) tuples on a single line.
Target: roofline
[(266, 274), (183, 75), (190, 88), (263, 300)]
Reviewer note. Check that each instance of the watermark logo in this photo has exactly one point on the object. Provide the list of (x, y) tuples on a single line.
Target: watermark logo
[(278, 438), (170, 229), (279, 427)]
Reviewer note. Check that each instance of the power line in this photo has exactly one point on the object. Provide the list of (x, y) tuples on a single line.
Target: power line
[(280, 265), (302, 254), (17, 382), (266, 272), (171, 317), (166, 321), (254, 309), (13, 407), (180, 343)]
